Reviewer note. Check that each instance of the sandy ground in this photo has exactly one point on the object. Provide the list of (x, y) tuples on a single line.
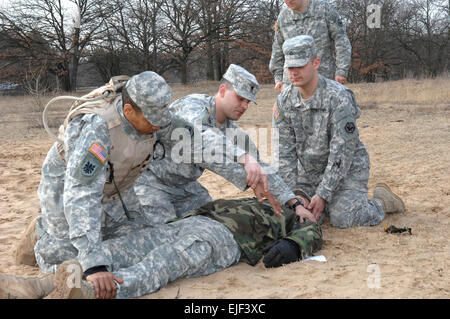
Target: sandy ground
[(408, 138)]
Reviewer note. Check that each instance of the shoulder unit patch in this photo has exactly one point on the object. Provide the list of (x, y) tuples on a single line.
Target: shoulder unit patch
[(90, 165), (350, 127)]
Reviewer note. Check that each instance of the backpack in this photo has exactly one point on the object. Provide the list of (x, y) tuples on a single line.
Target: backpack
[(106, 93)]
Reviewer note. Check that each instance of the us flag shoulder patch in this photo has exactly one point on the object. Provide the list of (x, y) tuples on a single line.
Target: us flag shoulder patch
[(99, 152), (276, 113)]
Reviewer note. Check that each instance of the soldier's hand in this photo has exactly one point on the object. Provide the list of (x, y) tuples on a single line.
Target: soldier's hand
[(303, 213), (340, 79), (281, 253), (255, 173), (261, 195), (105, 284), (317, 206), (303, 199), (279, 87)]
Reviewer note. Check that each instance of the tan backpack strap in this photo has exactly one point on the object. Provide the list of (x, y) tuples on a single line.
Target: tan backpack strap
[(61, 151), (119, 79), (79, 107)]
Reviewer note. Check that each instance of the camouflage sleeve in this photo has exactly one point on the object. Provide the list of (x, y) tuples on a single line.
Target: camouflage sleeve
[(278, 187), (342, 44), (87, 145), (343, 141), (308, 236), (241, 139), (276, 184), (286, 153), (220, 155), (238, 175), (276, 64)]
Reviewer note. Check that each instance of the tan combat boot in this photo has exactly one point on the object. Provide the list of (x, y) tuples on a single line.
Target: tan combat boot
[(389, 200), (24, 251), (14, 287), (69, 283)]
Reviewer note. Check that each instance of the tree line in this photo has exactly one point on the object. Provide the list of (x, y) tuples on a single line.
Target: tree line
[(49, 39)]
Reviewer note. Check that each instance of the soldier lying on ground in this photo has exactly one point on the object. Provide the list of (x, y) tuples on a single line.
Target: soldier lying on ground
[(209, 239)]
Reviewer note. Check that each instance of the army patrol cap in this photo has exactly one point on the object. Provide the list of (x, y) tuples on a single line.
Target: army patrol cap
[(151, 94), (244, 83), (298, 50)]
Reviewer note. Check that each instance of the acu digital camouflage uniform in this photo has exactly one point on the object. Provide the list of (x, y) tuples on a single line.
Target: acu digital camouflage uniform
[(79, 200), (320, 151), (170, 188), (324, 24), (209, 239)]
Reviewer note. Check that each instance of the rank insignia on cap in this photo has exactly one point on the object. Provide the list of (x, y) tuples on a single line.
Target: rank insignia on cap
[(276, 113), (99, 152)]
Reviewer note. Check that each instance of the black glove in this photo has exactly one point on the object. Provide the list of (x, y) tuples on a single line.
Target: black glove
[(281, 252)]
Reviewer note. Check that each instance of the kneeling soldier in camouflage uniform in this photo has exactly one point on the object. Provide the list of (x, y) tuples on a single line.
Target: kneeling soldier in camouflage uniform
[(85, 192), (169, 189), (320, 150), (209, 239)]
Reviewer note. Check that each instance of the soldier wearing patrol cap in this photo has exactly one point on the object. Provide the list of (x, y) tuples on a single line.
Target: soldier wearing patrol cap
[(170, 188), (320, 151), (318, 19), (85, 191)]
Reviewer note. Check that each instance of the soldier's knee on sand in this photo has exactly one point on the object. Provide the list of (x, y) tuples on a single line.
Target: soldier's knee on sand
[(24, 250), (342, 220)]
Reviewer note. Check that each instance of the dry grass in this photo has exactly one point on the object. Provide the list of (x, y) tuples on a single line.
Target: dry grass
[(409, 91)]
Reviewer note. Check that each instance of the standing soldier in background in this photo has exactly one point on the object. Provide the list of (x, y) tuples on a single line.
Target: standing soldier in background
[(320, 151), (318, 19)]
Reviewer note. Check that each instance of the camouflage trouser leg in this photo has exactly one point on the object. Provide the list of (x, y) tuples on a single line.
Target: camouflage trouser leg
[(149, 259), (161, 203), (195, 196), (50, 252), (351, 208)]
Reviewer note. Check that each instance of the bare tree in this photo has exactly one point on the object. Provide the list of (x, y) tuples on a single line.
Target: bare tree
[(60, 40), (138, 25), (412, 37), (253, 48), (183, 34), (422, 31), (209, 21)]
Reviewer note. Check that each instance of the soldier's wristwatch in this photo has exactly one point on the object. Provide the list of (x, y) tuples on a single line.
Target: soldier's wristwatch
[(297, 203)]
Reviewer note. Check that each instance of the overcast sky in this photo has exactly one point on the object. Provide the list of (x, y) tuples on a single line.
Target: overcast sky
[(4, 3), (66, 3)]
